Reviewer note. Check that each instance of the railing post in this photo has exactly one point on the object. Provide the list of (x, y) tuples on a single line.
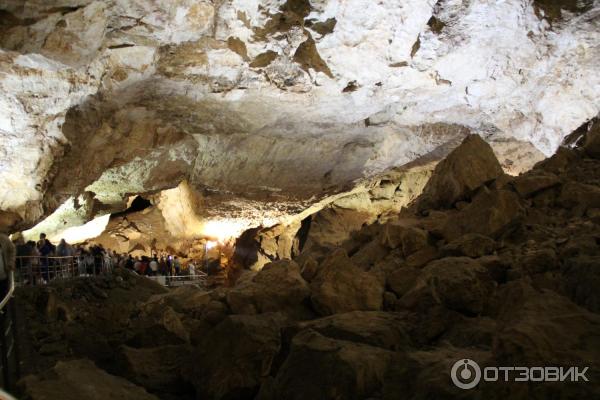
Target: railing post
[(4, 330), (15, 338), (4, 355)]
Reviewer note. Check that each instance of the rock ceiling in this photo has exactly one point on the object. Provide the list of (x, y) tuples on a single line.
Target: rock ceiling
[(264, 107)]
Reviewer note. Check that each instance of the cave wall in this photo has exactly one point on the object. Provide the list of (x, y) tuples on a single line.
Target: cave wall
[(267, 103)]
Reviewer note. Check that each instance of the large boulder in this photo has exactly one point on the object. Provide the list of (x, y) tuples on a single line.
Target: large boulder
[(478, 332), (309, 268), (333, 225), (423, 257), (417, 376), (559, 162), (214, 312), (529, 184), (540, 327), (322, 368), (155, 326), (408, 239), (157, 369), (490, 213), (458, 283), (184, 299), (425, 374), (581, 196), (340, 286), (279, 286), (386, 330), (470, 245), (401, 280), (369, 254), (537, 260), (534, 182), (468, 167), (79, 380), (235, 357), (592, 139), (582, 279)]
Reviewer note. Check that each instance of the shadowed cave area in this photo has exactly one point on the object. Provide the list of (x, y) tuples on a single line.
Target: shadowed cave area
[(292, 199)]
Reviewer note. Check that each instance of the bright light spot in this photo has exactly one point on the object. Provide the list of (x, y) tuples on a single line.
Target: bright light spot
[(78, 234), (225, 229), (210, 244)]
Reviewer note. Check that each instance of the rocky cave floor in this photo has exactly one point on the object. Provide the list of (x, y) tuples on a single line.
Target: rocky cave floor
[(503, 270)]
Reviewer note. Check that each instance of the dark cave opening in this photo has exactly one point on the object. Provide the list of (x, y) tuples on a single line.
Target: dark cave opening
[(138, 204)]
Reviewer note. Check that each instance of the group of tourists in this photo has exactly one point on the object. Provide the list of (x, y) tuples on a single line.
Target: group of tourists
[(35, 257), (40, 262), (46, 261), (165, 265)]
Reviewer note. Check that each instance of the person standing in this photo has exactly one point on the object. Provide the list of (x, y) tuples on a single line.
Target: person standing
[(46, 249), (107, 262), (64, 249), (130, 262), (177, 265), (144, 268), (137, 266), (170, 265), (7, 262), (162, 267), (90, 262), (65, 263), (154, 267)]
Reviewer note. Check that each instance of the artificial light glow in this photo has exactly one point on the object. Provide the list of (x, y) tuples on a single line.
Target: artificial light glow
[(66, 223), (78, 234), (225, 229), (210, 244)]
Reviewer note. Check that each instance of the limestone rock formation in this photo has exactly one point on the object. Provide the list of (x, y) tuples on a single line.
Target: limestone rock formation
[(347, 370), (471, 245), (374, 328), (277, 287), (332, 221), (459, 283), (407, 239), (157, 369), (236, 356), (592, 139), (72, 380), (134, 97), (468, 167), (363, 153), (340, 286), (508, 276), (490, 213)]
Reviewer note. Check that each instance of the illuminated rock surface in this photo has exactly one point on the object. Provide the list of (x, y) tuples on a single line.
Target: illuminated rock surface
[(265, 107), (383, 311), (307, 130)]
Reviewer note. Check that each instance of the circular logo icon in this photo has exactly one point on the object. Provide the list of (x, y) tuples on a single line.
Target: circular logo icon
[(465, 374)]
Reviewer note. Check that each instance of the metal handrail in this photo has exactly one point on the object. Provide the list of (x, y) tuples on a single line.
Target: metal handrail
[(9, 352), (199, 274), (169, 280), (11, 290), (31, 268), (44, 257)]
